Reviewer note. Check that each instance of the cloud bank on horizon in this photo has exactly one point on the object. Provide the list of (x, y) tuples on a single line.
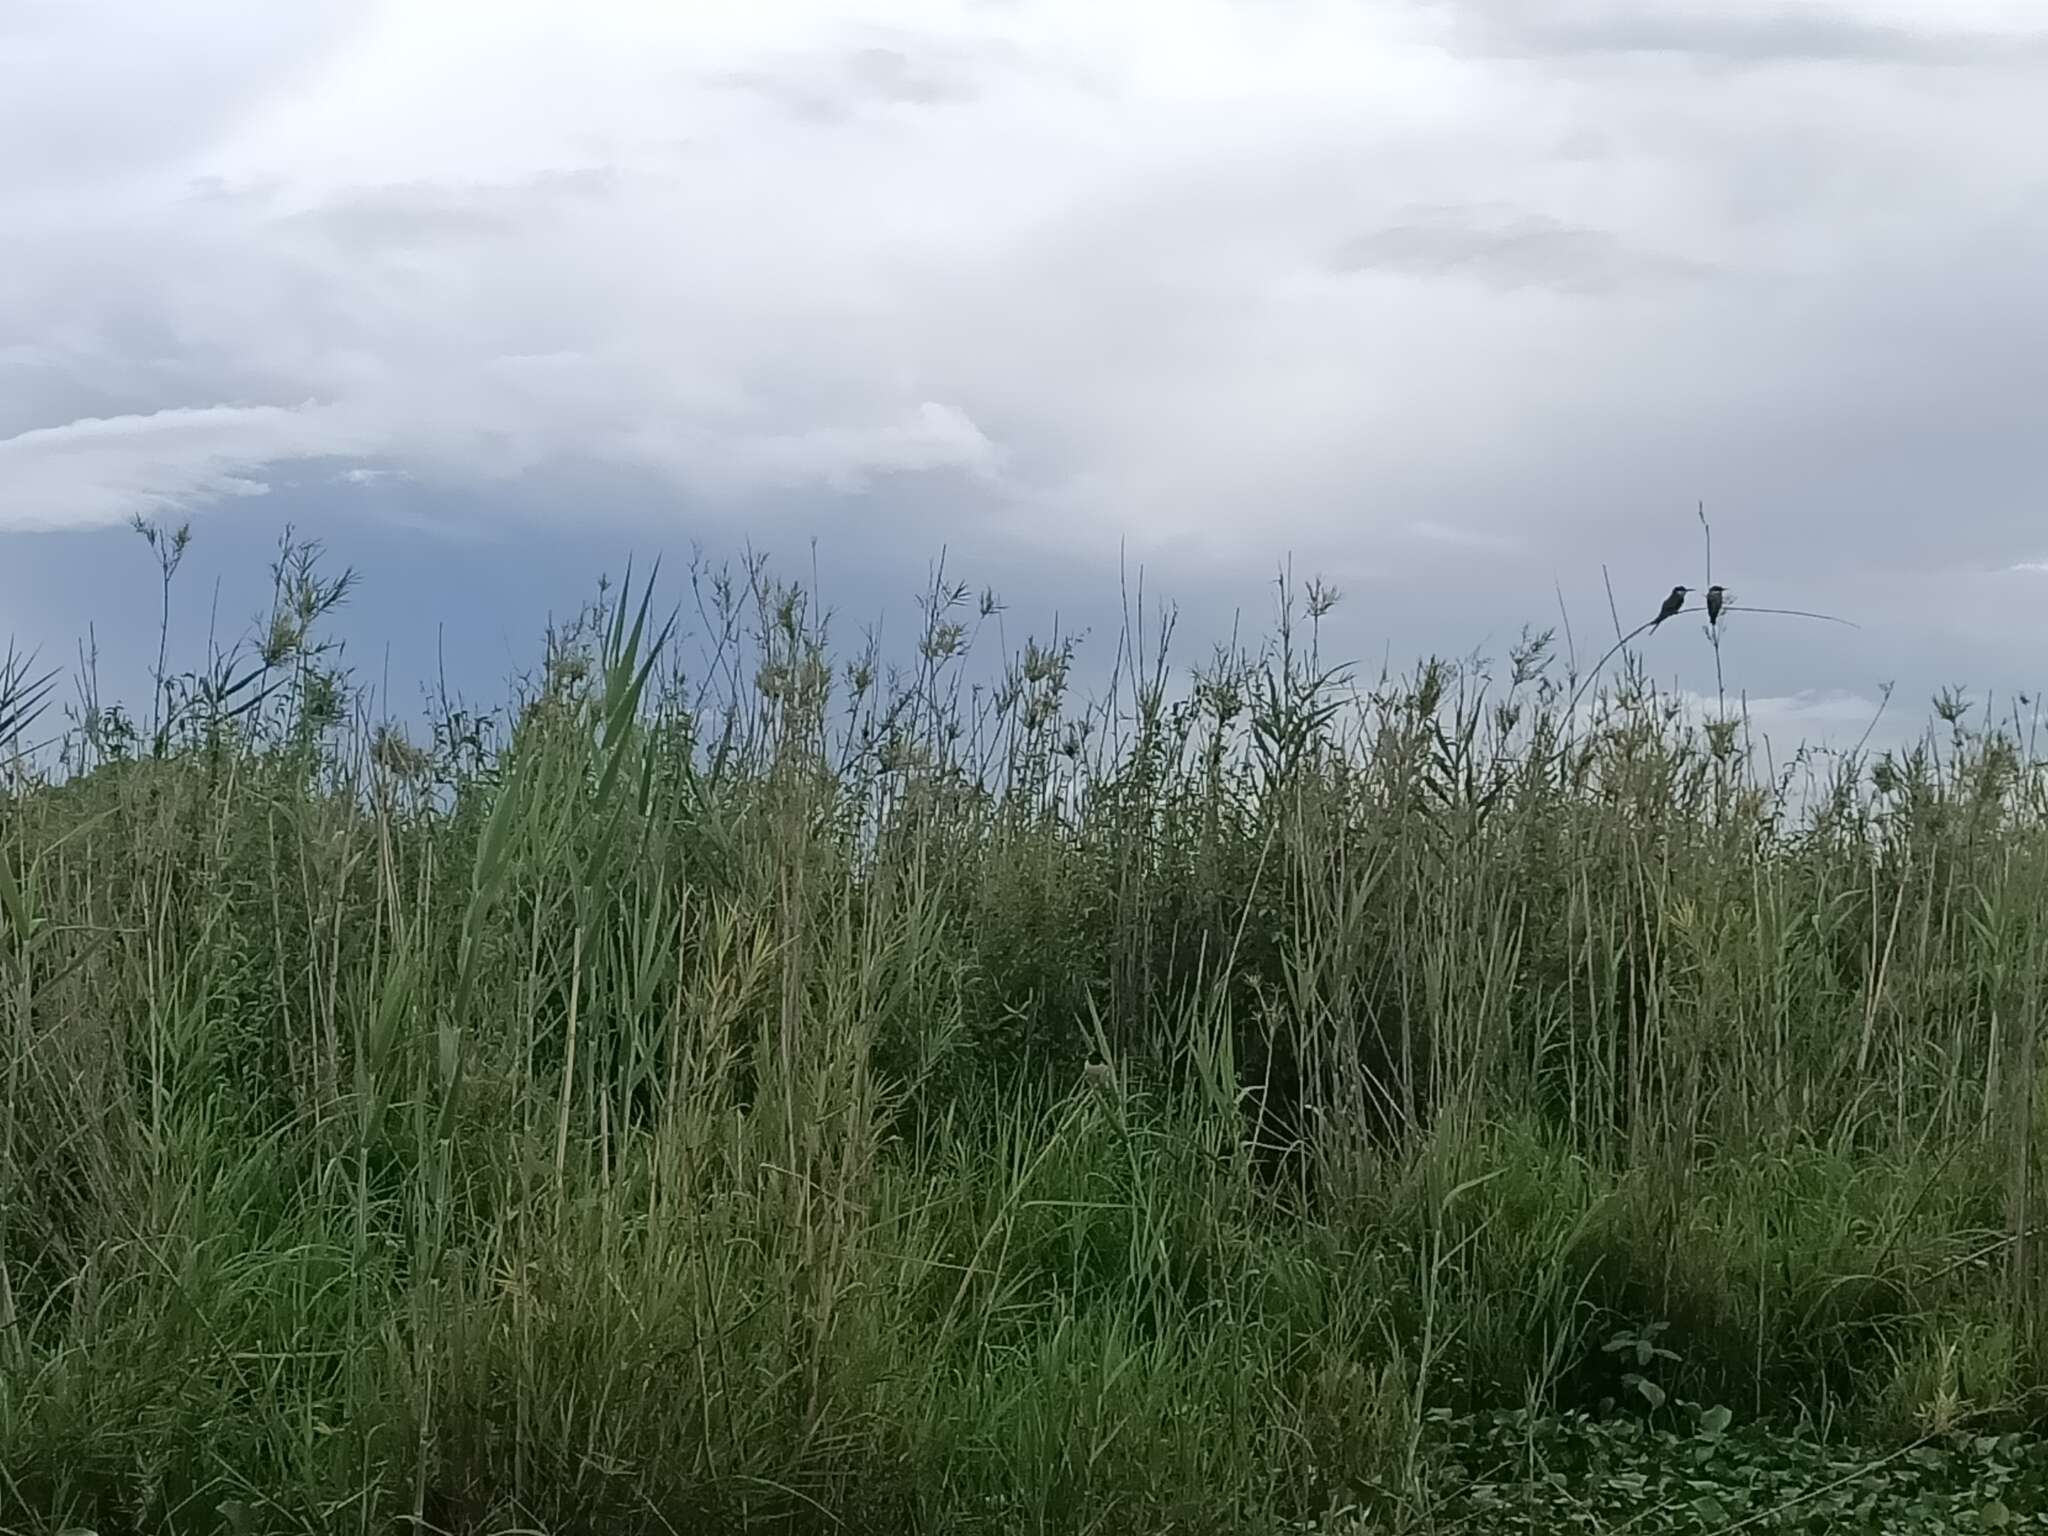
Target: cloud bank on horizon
[(1457, 296)]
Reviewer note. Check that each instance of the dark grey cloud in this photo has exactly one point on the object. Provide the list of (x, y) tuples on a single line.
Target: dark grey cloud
[(1507, 249), (828, 86), (1735, 34), (419, 215)]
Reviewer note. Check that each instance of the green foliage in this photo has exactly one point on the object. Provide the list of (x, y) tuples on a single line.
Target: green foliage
[(786, 1091), (1509, 1472)]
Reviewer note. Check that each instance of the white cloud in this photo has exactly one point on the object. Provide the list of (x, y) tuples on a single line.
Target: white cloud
[(107, 470), (1833, 720), (1396, 286), (1823, 706), (931, 437)]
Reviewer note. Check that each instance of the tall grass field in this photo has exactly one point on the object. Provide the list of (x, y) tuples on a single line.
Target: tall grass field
[(742, 1084)]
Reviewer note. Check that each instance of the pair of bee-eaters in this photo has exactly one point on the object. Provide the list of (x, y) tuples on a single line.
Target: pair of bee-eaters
[(1716, 596)]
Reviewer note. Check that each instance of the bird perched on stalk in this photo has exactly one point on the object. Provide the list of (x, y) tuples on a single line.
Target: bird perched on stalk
[(1671, 606), (1716, 597)]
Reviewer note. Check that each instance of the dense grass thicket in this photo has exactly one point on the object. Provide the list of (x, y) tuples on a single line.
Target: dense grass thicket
[(742, 1083)]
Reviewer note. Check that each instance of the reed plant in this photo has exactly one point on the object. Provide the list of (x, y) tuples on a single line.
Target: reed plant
[(749, 1083)]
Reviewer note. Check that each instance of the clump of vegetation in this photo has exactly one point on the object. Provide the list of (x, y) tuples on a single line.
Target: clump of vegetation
[(740, 1084)]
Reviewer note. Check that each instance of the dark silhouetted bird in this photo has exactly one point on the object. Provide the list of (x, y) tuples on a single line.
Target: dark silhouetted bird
[(1716, 596), (1672, 604)]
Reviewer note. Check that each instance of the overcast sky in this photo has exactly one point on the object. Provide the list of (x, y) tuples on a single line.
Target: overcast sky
[(1452, 301)]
